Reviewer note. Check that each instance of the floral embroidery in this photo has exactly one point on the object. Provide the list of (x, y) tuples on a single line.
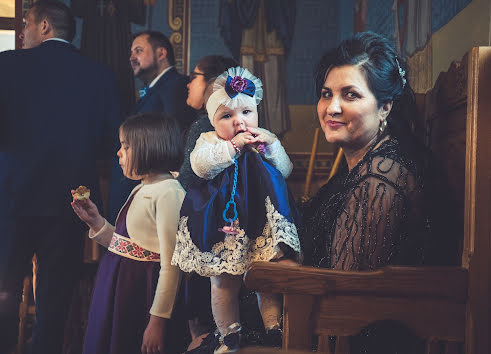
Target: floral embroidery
[(238, 84), (236, 252), (127, 248)]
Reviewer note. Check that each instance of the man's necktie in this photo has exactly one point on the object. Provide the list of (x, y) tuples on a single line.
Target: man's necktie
[(143, 91)]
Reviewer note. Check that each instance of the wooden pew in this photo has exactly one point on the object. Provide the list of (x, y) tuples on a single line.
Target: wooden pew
[(450, 304), (429, 300)]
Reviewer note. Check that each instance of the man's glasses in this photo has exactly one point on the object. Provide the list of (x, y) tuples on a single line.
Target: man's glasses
[(194, 74)]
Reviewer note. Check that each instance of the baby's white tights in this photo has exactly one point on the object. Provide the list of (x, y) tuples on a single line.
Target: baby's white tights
[(225, 303)]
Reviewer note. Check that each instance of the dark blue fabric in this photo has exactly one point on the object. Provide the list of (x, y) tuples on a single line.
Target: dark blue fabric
[(237, 15), (233, 17), (280, 16), (230, 27), (58, 268), (59, 113), (247, 12), (257, 179), (167, 96)]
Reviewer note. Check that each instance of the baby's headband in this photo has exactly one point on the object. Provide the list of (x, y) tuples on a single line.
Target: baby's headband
[(234, 88)]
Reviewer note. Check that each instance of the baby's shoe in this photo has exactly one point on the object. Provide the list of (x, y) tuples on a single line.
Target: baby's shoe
[(208, 344), (273, 337), (230, 343)]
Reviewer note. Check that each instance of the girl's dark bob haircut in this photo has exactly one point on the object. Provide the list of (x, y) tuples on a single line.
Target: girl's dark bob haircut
[(155, 142)]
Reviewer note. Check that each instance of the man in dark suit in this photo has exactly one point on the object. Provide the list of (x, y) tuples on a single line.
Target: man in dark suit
[(152, 60), (59, 113)]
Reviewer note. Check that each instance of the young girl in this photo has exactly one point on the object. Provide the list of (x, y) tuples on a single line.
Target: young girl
[(136, 286), (243, 213)]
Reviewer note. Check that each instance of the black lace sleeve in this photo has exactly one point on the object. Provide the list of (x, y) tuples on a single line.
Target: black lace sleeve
[(373, 217)]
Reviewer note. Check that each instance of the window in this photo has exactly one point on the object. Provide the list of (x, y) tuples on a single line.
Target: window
[(10, 24), (7, 39)]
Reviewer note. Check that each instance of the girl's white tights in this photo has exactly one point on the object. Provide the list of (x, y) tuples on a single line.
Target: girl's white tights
[(225, 303)]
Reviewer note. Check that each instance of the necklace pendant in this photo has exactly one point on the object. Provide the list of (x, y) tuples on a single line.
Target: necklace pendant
[(229, 229)]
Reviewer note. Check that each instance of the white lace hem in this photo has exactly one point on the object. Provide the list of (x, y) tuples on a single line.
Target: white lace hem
[(237, 252)]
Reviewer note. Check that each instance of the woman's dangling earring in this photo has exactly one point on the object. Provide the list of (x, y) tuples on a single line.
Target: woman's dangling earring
[(383, 124)]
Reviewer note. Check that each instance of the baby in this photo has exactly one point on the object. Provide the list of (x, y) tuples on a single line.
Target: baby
[(243, 211)]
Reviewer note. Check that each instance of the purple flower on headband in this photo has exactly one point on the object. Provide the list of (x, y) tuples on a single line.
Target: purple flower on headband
[(238, 84)]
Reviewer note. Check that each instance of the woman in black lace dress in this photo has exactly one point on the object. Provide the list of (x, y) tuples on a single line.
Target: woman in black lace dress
[(374, 212)]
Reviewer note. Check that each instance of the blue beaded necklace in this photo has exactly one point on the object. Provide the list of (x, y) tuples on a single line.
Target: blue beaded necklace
[(231, 202)]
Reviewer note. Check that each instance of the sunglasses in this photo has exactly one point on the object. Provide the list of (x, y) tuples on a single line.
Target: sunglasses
[(194, 74)]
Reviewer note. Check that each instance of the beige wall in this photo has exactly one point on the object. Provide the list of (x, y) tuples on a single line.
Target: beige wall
[(470, 28), (301, 134), (298, 144)]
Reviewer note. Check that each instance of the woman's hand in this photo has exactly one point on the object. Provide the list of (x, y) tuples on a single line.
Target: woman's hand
[(153, 338), (87, 211), (262, 136)]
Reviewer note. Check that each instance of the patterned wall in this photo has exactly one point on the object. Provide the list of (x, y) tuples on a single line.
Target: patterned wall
[(346, 13), (381, 20), (159, 19), (159, 23), (205, 36), (315, 31), (442, 11), (380, 17), (320, 24)]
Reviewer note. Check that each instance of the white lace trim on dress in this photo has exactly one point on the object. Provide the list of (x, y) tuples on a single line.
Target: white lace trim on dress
[(236, 252)]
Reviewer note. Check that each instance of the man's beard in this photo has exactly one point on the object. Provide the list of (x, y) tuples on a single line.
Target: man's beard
[(149, 73)]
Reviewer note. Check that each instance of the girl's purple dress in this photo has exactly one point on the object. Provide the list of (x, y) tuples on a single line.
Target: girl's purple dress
[(123, 295)]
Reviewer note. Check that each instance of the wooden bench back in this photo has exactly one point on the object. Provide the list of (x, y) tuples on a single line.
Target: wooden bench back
[(430, 301), (458, 131), (476, 255)]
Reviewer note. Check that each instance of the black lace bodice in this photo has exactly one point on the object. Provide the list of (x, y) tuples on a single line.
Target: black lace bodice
[(368, 217)]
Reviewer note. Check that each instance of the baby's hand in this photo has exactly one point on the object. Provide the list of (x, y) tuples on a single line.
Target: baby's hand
[(243, 139), (262, 136)]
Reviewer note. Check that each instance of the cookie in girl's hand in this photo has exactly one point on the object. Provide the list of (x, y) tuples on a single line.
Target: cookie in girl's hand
[(81, 193)]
